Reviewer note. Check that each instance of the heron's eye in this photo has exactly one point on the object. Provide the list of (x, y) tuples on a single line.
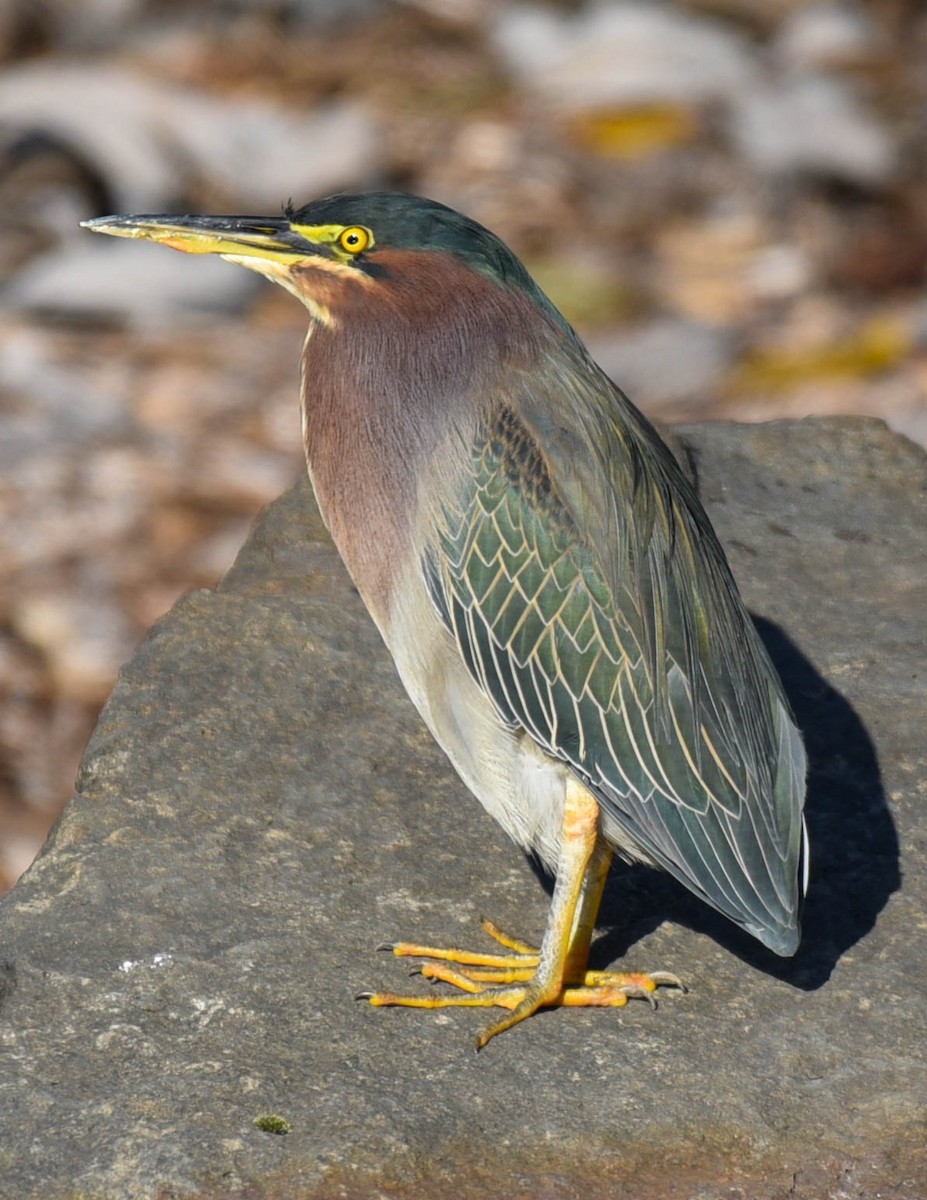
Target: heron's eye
[(355, 239)]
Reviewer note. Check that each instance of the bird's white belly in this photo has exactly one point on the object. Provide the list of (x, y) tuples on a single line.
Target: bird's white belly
[(515, 780)]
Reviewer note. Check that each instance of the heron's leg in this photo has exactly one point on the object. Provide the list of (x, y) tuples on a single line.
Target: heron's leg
[(524, 979), (587, 911), (580, 875), (585, 859)]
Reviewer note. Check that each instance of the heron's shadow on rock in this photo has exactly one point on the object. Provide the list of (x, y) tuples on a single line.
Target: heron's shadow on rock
[(854, 845)]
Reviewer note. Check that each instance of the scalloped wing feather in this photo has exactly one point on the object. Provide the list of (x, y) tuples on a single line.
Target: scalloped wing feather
[(592, 603)]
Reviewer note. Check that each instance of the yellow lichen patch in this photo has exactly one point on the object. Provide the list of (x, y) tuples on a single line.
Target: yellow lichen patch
[(634, 132), (876, 346)]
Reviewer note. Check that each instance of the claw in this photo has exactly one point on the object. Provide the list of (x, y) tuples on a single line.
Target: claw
[(668, 979)]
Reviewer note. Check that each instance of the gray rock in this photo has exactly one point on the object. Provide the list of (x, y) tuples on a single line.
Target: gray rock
[(260, 806)]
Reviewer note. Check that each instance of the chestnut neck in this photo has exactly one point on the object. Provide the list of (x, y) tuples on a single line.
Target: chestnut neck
[(404, 371)]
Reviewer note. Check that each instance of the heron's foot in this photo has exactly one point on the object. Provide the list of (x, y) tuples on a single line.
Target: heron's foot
[(512, 981)]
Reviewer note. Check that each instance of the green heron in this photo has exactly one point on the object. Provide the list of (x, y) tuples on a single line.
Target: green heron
[(556, 601)]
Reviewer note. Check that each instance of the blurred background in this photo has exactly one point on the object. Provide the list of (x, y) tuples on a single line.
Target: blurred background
[(728, 198)]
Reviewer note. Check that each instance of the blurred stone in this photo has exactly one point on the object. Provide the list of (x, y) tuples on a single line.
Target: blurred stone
[(266, 155), (127, 282), (174, 397), (84, 638), (665, 362), (241, 474), (707, 267), (812, 125), (213, 556), (88, 27), (613, 54), (150, 140), (47, 401), (486, 146), (321, 12), (826, 35), (110, 116), (780, 271), (46, 190), (18, 847)]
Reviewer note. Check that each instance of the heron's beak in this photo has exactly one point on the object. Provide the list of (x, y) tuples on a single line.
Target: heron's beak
[(268, 239)]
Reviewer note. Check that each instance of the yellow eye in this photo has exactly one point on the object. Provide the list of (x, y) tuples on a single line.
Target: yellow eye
[(355, 239)]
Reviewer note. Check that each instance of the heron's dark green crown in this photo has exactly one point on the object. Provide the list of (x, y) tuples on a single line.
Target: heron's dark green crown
[(404, 222)]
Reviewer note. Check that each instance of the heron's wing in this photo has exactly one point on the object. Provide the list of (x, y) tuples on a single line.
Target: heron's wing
[(593, 604)]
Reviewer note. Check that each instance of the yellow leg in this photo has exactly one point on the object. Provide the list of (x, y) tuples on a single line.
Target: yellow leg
[(590, 899), (565, 923), (525, 979)]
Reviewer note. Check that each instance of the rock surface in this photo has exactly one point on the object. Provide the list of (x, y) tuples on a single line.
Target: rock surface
[(260, 806)]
